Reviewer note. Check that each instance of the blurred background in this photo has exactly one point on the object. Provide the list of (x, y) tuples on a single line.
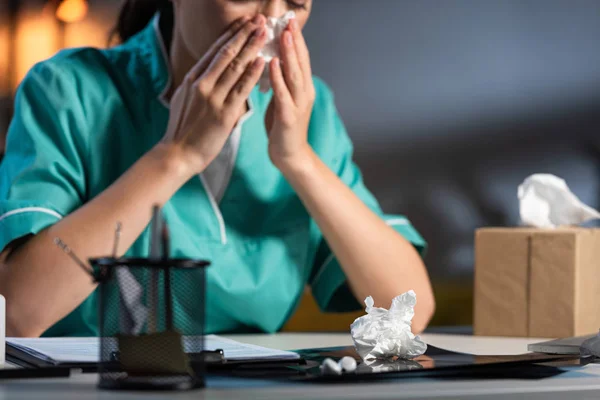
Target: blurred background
[(450, 105)]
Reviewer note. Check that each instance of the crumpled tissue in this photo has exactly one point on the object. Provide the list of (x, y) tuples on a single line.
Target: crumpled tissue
[(545, 201), (377, 366), (274, 27), (385, 334)]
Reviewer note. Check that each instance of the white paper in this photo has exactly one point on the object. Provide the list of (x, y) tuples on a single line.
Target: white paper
[(84, 350), (383, 334), (133, 314), (545, 201), (274, 27), (235, 350)]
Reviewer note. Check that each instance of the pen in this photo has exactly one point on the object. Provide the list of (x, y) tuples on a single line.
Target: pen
[(166, 253), (154, 274), (116, 242)]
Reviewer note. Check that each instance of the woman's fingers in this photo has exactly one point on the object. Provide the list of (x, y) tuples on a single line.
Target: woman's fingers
[(229, 51), (292, 72), (241, 90), (282, 95), (301, 49), (201, 65), (238, 66)]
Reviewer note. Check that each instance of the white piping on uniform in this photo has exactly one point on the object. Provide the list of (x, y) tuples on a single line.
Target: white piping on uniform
[(216, 209), (30, 209), (397, 221), (163, 49)]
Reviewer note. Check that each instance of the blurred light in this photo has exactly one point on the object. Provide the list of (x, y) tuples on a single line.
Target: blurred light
[(72, 10), (35, 40), (4, 57)]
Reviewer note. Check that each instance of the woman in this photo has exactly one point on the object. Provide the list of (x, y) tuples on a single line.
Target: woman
[(263, 185)]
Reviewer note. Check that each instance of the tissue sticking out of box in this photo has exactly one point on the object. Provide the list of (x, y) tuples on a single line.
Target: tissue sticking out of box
[(386, 334), (545, 201), (274, 27)]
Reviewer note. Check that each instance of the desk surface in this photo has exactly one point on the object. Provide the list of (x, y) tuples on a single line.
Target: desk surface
[(582, 383)]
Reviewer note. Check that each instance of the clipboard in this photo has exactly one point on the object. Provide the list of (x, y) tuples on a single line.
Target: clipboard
[(438, 363), (31, 359), (213, 360)]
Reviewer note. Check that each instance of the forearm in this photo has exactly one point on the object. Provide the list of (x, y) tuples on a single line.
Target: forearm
[(42, 285), (377, 260)]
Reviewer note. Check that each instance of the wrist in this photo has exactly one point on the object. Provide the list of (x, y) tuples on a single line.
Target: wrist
[(302, 163), (170, 159)]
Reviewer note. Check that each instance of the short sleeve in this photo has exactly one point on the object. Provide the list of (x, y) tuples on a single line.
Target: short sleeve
[(328, 282), (42, 174)]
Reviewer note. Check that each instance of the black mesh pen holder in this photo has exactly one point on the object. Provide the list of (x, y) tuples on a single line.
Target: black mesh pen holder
[(151, 323)]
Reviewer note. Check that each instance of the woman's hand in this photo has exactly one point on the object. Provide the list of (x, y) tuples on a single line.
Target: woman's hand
[(212, 97), (289, 113)]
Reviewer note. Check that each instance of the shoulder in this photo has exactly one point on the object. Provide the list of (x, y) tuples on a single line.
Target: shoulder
[(323, 94), (84, 73), (325, 119), (68, 95), (53, 100), (72, 80), (69, 67), (324, 115), (327, 133)]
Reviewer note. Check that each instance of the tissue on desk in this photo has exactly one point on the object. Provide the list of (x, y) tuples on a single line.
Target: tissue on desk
[(384, 334), (274, 27), (545, 201)]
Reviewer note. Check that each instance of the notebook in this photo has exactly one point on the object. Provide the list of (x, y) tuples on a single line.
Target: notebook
[(85, 351), (568, 345)]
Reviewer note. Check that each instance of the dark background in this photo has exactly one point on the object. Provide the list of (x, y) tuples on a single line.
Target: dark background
[(451, 104)]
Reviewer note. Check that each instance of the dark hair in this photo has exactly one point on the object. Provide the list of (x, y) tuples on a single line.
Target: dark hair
[(136, 14)]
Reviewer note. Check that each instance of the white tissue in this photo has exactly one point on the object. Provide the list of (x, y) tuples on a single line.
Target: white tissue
[(376, 366), (330, 367), (274, 27), (347, 364), (545, 201), (383, 334)]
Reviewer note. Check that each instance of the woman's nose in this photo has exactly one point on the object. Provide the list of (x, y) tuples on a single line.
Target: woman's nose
[(274, 8)]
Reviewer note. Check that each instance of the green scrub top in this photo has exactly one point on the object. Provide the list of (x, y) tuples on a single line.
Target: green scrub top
[(83, 117)]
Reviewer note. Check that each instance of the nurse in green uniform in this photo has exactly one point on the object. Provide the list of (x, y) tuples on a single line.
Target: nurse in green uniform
[(261, 184)]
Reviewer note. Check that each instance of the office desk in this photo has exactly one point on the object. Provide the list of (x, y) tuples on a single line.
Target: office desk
[(583, 383)]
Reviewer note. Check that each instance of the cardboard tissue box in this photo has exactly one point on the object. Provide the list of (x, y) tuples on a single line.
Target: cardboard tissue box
[(542, 281), (534, 282)]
